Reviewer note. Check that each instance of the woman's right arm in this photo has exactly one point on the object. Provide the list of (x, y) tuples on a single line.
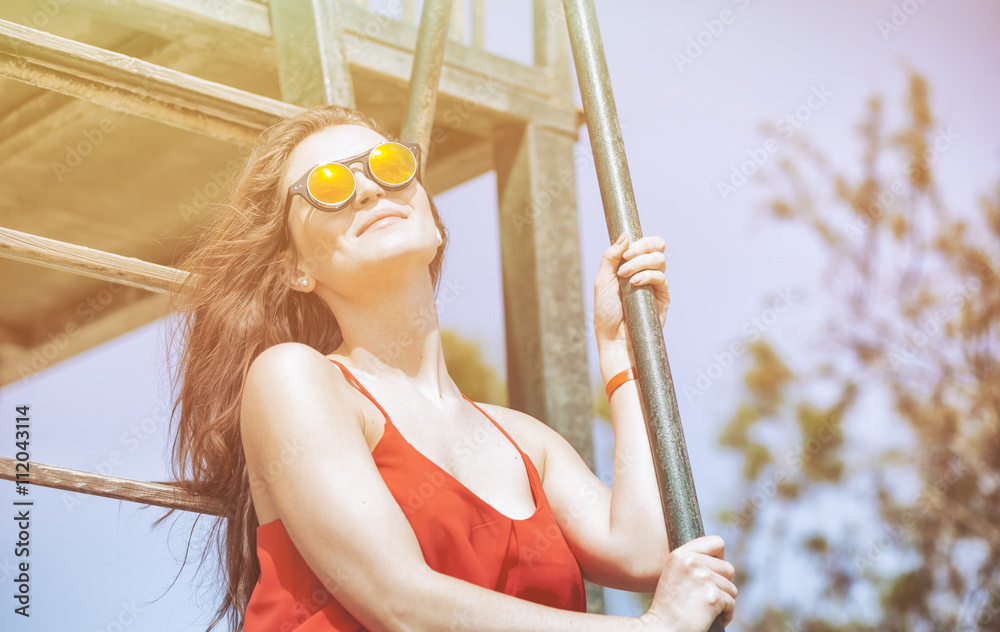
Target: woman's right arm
[(301, 428)]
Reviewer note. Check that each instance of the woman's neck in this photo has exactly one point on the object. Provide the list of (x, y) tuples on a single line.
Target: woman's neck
[(393, 331)]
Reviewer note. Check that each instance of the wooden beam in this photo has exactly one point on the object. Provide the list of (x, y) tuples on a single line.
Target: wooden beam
[(135, 86), (22, 126), (552, 50), (472, 160), (374, 42), (170, 496), (543, 298), (60, 255), (312, 67)]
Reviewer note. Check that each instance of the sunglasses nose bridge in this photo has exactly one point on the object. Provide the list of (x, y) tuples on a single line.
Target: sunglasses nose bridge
[(365, 183)]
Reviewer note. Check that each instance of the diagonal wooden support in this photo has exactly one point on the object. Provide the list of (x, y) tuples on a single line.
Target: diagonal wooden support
[(543, 296), (167, 495), (312, 66), (426, 75), (60, 255), (135, 86)]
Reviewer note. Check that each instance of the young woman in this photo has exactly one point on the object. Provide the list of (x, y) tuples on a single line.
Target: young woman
[(364, 490)]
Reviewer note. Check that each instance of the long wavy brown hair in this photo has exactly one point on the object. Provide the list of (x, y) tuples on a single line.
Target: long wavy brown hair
[(235, 304)]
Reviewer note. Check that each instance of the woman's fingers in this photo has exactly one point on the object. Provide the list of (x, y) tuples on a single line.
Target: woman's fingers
[(648, 277), (708, 544), (612, 258), (652, 243), (720, 566), (647, 261)]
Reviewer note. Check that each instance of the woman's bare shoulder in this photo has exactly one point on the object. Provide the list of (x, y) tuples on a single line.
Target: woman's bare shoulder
[(291, 378), (286, 356)]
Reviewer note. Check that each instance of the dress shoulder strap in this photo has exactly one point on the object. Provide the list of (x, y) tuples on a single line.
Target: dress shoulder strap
[(354, 381), (499, 427)]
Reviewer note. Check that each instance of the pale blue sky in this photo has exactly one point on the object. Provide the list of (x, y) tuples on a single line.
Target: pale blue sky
[(685, 128)]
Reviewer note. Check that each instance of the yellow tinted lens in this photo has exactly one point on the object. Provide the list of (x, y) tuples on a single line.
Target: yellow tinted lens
[(331, 184), (392, 163)]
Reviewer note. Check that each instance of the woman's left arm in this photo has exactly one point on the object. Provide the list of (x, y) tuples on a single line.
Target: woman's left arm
[(618, 536)]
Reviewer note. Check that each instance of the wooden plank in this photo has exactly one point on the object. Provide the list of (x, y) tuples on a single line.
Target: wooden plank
[(48, 113), (312, 67), (170, 496), (89, 262), (425, 76), (456, 25), (552, 50), (135, 86), (374, 43), (478, 24), (471, 161), (543, 298)]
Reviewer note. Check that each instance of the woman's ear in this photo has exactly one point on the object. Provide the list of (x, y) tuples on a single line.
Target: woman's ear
[(297, 279), (440, 238)]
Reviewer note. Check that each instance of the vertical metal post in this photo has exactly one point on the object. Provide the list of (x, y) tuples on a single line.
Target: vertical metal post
[(426, 75), (656, 387), (312, 65)]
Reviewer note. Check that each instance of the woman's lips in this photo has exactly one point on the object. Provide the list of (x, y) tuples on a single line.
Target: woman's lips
[(380, 222)]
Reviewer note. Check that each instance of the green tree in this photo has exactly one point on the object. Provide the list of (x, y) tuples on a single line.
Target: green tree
[(893, 433)]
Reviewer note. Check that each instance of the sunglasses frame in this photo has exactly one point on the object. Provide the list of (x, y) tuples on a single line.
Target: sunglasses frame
[(301, 186)]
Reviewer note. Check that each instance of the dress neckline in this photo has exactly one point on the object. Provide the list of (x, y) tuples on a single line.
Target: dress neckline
[(529, 467)]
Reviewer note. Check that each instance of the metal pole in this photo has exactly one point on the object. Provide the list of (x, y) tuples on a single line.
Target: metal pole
[(426, 75), (656, 387)]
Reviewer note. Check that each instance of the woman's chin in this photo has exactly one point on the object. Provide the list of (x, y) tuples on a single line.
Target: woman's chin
[(393, 253)]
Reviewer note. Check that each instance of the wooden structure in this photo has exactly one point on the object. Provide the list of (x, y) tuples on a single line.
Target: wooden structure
[(122, 121)]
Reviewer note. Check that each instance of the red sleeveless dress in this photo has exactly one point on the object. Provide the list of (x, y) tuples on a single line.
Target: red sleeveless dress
[(459, 533)]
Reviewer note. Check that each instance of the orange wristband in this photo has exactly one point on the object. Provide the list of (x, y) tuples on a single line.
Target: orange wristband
[(618, 380)]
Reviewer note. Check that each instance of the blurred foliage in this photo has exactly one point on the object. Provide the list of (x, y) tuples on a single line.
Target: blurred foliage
[(914, 321), (474, 377)]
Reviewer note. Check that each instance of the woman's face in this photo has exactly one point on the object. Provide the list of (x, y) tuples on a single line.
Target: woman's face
[(343, 250)]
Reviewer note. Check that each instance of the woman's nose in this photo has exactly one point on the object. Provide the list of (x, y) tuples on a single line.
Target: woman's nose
[(366, 189)]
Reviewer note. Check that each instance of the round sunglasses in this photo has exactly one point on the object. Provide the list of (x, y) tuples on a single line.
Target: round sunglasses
[(331, 186)]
